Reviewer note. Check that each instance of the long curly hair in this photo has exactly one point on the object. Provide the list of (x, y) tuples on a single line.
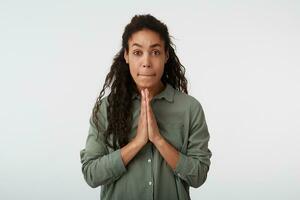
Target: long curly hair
[(122, 85)]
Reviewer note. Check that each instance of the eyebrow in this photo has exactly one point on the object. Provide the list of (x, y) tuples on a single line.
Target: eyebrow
[(151, 46)]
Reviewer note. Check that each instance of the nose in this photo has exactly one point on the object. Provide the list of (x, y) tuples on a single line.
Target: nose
[(146, 61)]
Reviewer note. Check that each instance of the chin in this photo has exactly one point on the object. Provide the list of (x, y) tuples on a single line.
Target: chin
[(145, 84)]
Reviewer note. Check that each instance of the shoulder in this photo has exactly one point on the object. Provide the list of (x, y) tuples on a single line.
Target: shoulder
[(101, 107), (187, 100), (103, 104), (104, 100)]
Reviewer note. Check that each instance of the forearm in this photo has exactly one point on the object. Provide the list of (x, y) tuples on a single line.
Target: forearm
[(129, 151), (101, 169), (186, 165), (168, 152)]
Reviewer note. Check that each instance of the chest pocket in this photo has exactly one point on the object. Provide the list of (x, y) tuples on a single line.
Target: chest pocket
[(173, 133)]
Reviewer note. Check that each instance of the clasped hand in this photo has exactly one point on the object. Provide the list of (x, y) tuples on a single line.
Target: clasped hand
[(147, 125)]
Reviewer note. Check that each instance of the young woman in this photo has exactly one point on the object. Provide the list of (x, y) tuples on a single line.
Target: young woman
[(148, 139)]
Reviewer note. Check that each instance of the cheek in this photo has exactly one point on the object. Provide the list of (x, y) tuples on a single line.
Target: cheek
[(132, 65), (160, 71), (133, 71)]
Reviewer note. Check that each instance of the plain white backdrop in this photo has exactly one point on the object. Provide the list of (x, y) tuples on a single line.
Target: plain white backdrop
[(242, 64)]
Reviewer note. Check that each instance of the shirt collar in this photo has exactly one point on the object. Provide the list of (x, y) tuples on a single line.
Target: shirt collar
[(167, 93)]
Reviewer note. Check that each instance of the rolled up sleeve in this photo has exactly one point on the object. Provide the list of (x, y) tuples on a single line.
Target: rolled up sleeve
[(193, 166), (99, 166)]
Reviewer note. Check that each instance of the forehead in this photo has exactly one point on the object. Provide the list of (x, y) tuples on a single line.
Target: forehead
[(145, 39)]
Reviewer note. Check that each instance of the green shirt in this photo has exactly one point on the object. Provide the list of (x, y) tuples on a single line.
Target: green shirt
[(181, 122)]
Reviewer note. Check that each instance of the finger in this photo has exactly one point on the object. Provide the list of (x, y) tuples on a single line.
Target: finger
[(148, 102), (143, 102), (144, 105), (147, 107), (146, 95), (150, 114)]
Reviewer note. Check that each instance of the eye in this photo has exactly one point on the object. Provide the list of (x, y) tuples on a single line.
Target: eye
[(137, 53), (156, 52)]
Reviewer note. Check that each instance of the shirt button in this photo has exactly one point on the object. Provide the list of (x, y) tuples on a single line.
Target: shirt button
[(149, 160), (150, 183)]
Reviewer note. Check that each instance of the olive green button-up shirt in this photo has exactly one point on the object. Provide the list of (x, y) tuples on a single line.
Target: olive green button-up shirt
[(181, 121)]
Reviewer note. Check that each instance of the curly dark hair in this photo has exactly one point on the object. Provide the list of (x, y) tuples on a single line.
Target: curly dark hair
[(122, 85)]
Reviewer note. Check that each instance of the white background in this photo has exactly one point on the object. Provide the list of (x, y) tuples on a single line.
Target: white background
[(242, 64)]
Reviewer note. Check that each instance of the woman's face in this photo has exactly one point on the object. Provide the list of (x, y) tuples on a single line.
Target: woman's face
[(146, 58)]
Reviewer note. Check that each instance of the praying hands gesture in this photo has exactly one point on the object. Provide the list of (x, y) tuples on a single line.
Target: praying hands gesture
[(147, 125), (148, 130)]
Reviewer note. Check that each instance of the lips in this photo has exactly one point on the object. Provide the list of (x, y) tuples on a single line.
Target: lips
[(146, 74)]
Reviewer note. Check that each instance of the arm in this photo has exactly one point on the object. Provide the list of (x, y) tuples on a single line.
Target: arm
[(99, 166), (193, 166), (167, 151), (129, 151)]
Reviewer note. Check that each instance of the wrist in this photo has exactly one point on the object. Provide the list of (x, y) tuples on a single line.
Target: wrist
[(138, 143), (158, 140)]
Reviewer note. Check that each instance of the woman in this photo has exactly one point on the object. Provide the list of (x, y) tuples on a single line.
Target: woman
[(148, 139)]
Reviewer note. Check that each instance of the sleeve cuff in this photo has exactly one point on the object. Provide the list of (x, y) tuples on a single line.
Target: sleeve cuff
[(116, 160), (180, 166)]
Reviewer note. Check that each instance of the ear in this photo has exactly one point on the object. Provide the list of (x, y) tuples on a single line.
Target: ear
[(167, 57), (126, 56)]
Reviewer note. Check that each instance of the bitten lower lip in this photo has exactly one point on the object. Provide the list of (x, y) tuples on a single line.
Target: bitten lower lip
[(145, 75)]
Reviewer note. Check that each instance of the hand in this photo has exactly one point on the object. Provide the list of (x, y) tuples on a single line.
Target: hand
[(153, 131), (142, 130)]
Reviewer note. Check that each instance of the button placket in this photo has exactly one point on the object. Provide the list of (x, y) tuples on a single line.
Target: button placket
[(149, 160)]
